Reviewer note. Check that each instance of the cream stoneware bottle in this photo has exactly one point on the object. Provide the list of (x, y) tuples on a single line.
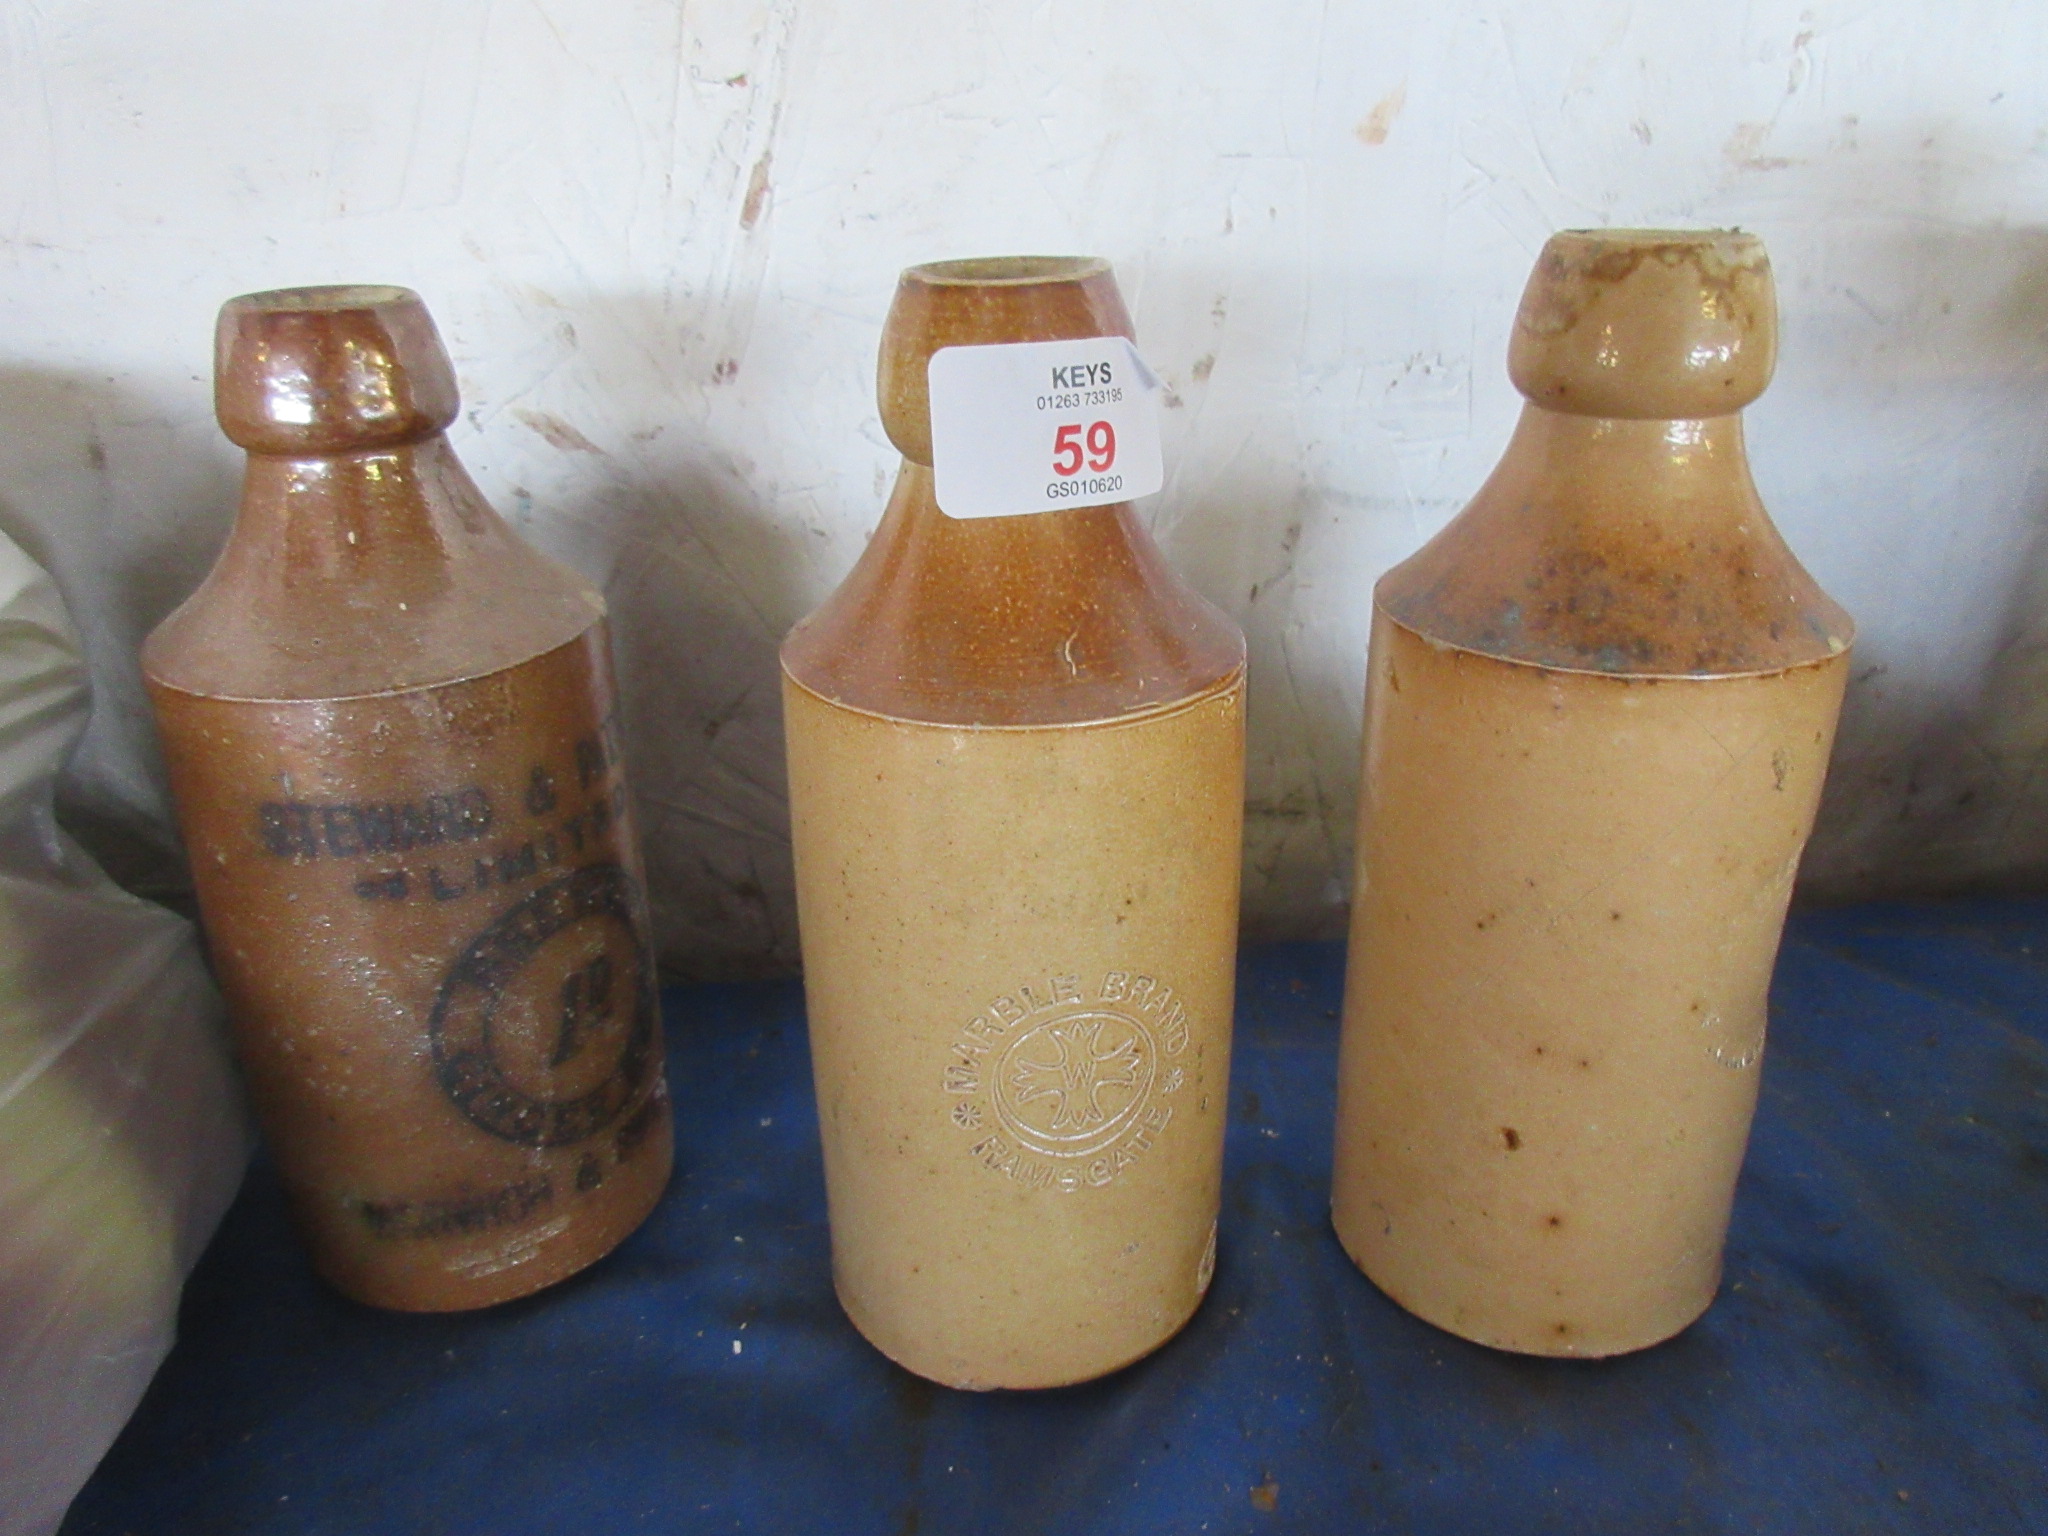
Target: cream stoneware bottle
[(392, 737), (1599, 711), (1016, 777)]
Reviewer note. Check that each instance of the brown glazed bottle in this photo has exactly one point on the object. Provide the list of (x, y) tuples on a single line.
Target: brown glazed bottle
[(1598, 714), (393, 748), (1016, 781)]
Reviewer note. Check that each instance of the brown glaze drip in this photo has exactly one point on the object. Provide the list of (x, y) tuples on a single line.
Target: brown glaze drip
[(364, 558), (1052, 618), (1621, 532)]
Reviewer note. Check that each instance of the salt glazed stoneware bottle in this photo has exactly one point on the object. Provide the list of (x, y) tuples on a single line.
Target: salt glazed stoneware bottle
[(393, 748), (1016, 780), (1598, 714)]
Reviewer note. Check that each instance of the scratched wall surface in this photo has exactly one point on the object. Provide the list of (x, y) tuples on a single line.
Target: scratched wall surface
[(660, 239)]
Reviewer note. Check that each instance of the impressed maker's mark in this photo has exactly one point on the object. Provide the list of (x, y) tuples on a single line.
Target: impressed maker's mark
[(1065, 1086)]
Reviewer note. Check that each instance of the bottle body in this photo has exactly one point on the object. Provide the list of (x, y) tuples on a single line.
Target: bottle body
[(1018, 949), (1569, 896), (425, 908), (1599, 711), (391, 730), (1016, 757)]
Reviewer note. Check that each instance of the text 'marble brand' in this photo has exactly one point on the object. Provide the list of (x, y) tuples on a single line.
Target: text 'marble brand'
[(1038, 426)]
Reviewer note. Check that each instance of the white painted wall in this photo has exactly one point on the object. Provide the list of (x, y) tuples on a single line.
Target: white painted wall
[(660, 238)]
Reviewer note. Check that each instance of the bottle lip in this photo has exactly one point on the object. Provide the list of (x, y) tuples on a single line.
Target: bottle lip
[(331, 368), (1646, 323), (1614, 255), (1655, 235), (1006, 271), (982, 301), (322, 298)]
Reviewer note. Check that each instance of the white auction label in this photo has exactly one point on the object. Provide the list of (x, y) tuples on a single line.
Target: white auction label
[(1036, 426)]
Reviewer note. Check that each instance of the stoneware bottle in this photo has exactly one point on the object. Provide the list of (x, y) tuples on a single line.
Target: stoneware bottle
[(393, 747), (1016, 779), (1598, 714)]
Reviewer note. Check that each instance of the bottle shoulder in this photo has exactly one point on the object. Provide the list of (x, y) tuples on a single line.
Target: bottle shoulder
[(1630, 548), (347, 585), (1051, 619)]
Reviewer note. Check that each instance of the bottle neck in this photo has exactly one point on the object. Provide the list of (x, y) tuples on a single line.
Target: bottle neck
[(1609, 471), (346, 509), (366, 571)]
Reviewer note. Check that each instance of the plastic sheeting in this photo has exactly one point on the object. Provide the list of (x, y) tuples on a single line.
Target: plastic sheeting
[(1877, 1360), (121, 1130)]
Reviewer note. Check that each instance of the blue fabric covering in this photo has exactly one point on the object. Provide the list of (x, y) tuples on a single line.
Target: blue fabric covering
[(1877, 1360)]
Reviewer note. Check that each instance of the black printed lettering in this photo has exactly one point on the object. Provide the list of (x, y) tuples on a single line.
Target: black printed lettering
[(301, 830)]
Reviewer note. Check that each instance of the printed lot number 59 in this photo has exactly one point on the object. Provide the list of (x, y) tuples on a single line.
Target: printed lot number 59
[(1067, 452)]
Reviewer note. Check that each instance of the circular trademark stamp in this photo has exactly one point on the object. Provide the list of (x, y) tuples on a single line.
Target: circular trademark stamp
[(1072, 1086), (543, 1033), (1065, 1082)]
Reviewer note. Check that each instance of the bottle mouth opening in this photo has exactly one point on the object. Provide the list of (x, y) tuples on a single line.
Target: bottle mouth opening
[(1007, 271), (1604, 249), (323, 298), (1638, 236)]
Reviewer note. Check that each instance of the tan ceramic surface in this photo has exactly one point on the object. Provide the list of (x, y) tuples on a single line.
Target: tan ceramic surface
[(1016, 752), (1599, 711), (393, 749), (1570, 894), (1018, 957)]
